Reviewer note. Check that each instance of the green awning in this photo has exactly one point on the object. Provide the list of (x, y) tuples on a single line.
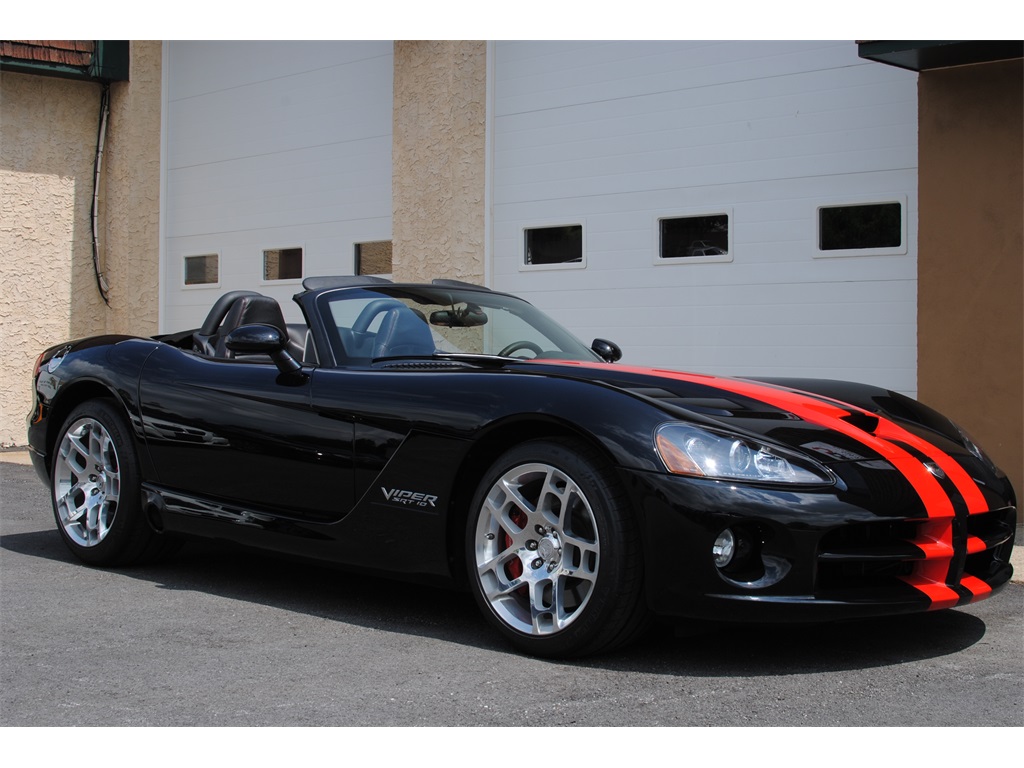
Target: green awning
[(920, 55)]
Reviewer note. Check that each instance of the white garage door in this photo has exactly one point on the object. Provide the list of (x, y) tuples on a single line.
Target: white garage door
[(738, 208), (277, 163)]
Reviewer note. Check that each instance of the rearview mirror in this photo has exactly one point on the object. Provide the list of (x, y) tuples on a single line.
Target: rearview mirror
[(469, 316)]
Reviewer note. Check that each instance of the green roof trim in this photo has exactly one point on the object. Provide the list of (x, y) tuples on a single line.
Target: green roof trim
[(109, 63), (921, 55)]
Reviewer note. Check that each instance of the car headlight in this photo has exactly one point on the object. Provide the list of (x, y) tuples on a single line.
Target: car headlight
[(975, 449), (689, 450)]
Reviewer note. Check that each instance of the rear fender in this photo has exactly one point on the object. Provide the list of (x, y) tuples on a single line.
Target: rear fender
[(103, 367)]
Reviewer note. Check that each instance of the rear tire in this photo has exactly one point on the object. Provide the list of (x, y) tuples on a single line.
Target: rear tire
[(554, 554), (96, 490)]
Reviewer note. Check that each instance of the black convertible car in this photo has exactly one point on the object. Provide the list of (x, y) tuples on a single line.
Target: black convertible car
[(453, 435)]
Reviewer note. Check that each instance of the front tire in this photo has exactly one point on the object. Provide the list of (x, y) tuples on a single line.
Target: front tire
[(96, 489), (554, 554)]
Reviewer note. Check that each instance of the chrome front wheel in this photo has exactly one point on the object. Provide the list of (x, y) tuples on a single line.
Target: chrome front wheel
[(554, 552), (536, 549)]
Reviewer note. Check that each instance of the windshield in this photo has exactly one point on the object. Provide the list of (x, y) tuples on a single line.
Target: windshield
[(368, 324)]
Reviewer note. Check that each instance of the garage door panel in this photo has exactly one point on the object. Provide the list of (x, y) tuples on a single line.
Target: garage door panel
[(557, 74), (313, 109), (613, 136), (199, 67), (272, 145), (303, 187)]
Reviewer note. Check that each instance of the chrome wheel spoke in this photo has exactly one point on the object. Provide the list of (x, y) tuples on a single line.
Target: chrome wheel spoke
[(101, 525), (66, 502), (75, 451), (513, 507), (112, 488), (580, 558), (495, 566), (548, 612), (550, 609), (506, 588), (553, 493)]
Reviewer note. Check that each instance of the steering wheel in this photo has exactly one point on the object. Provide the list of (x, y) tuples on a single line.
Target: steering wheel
[(508, 350)]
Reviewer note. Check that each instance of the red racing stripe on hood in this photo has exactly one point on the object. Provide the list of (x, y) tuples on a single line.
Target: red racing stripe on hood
[(828, 413)]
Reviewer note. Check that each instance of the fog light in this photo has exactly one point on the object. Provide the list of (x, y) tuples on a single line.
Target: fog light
[(724, 548)]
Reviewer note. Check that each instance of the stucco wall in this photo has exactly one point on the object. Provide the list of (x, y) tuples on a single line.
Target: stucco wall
[(47, 135), (131, 195), (48, 293), (438, 160), (971, 254)]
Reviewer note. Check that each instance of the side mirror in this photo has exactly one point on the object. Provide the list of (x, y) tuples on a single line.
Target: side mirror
[(608, 351), (258, 339)]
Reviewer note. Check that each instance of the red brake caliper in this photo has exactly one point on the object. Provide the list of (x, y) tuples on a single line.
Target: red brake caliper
[(514, 569)]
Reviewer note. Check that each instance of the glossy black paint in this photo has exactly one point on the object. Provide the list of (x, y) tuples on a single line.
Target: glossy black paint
[(374, 466)]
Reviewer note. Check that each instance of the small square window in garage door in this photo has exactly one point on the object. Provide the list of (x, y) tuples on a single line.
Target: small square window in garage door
[(553, 245), (860, 227), (694, 237), (282, 264), (203, 269)]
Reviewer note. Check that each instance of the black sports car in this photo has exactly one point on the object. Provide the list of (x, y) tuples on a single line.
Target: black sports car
[(449, 434)]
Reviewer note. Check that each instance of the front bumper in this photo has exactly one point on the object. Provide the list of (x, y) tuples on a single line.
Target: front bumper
[(865, 547)]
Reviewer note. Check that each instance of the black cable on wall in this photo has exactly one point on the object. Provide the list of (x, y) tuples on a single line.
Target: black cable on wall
[(101, 280)]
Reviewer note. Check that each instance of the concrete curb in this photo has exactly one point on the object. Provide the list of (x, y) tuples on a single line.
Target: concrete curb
[(1016, 559), (15, 457)]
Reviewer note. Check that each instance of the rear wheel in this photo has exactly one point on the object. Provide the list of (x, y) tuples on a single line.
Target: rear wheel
[(555, 560), (96, 489)]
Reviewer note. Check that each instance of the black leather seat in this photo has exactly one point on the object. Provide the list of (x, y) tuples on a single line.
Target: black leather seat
[(301, 344), (403, 333), (204, 340), (235, 310), (249, 310)]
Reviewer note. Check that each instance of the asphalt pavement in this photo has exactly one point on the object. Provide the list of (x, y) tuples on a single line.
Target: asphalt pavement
[(219, 637)]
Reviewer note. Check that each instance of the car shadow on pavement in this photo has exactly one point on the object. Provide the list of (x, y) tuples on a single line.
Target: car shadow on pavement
[(451, 616), (750, 650)]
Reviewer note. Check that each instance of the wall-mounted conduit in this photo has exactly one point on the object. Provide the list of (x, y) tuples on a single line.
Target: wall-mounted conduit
[(101, 280)]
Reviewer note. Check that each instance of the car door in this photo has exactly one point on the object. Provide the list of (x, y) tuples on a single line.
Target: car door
[(411, 434), (243, 433), (383, 408)]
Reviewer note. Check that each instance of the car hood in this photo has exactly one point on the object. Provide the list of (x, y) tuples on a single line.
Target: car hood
[(832, 421)]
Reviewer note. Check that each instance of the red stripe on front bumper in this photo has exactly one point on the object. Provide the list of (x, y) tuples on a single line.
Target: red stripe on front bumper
[(935, 540), (940, 595), (979, 589)]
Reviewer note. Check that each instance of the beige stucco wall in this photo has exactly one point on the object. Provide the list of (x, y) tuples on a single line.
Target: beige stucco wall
[(131, 194), (48, 291), (438, 159), (971, 254)]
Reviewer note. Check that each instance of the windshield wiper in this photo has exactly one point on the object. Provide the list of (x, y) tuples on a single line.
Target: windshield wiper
[(450, 357), (474, 357)]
